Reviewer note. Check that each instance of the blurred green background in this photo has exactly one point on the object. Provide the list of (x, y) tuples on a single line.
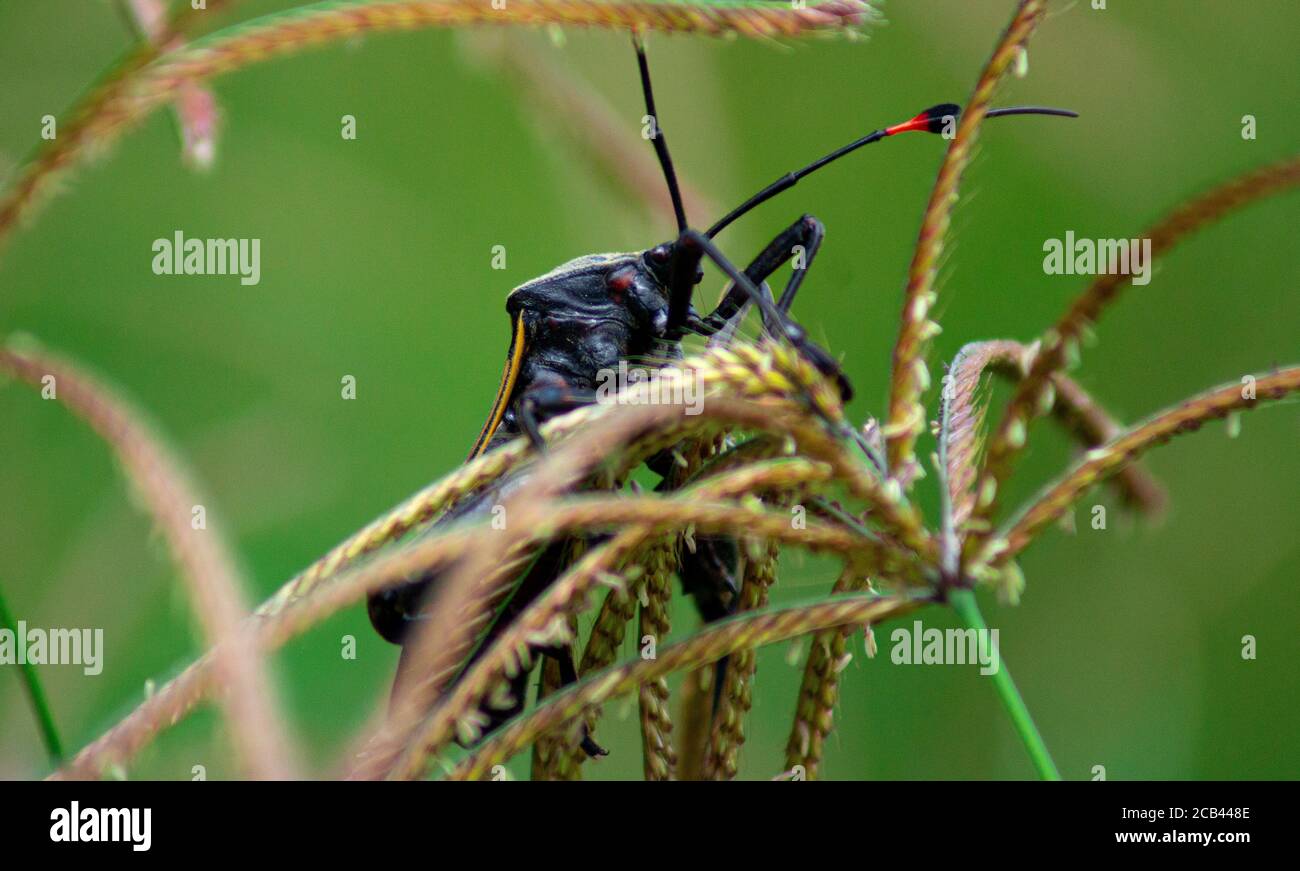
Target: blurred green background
[(376, 263)]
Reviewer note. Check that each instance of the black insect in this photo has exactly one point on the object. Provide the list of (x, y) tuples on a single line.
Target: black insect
[(586, 316)]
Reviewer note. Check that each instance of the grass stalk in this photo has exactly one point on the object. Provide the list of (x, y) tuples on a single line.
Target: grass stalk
[(35, 694), (963, 602)]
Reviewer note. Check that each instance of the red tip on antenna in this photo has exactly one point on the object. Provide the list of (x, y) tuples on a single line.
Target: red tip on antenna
[(929, 121)]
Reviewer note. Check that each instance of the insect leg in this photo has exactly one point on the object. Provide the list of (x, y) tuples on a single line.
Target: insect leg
[(708, 575), (807, 232), (778, 322), (546, 400), (568, 676)]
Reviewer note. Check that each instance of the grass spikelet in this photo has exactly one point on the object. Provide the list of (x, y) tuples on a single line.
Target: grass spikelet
[(551, 751), (819, 690), (755, 629), (1069, 331), (608, 635), (195, 106), (167, 491), (906, 418), (562, 594), (962, 418), (307, 598), (722, 760), (653, 698), (149, 80), (1188, 416)]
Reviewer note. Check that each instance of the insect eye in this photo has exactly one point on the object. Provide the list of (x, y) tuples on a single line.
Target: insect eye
[(659, 254)]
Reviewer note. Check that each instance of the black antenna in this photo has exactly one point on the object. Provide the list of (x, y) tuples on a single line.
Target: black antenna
[(932, 120), (661, 144)]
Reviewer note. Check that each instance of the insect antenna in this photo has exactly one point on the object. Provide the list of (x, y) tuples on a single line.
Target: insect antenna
[(657, 135), (932, 120)]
